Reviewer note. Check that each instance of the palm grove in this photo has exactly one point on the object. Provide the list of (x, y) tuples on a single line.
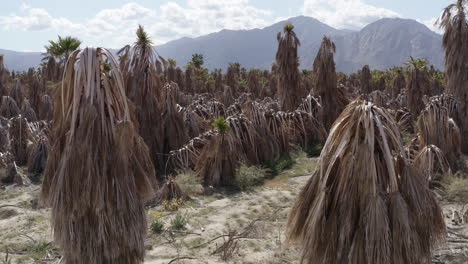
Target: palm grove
[(109, 136)]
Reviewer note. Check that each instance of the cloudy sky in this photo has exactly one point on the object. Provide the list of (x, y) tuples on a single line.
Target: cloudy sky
[(28, 25)]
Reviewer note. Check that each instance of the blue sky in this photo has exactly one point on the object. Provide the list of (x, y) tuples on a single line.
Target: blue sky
[(28, 25)]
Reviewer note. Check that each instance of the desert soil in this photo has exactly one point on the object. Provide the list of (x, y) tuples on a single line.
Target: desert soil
[(252, 223)]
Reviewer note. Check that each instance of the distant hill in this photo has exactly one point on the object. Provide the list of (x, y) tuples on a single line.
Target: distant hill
[(385, 43), (20, 61)]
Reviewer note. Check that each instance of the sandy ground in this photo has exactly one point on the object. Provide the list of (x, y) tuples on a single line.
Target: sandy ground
[(254, 220)]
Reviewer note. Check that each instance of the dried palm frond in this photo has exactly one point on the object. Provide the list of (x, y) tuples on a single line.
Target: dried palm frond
[(171, 190), (28, 112), (34, 92), (9, 107), (454, 24), (267, 145), (97, 198), (174, 134), (4, 136), (21, 138), (416, 87), (404, 120), (365, 78), (287, 61), (187, 156), (38, 156), (435, 127), (363, 205), (218, 160), (17, 92), (431, 160), (378, 97), (398, 83), (46, 111)]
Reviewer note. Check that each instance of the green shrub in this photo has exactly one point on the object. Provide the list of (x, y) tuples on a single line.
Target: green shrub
[(157, 226), (249, 176), (179, 222), (314, 149), (221, 125)]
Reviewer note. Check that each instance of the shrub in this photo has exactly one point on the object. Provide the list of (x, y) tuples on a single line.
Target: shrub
[(314, 149), (179, 222), (221, 125), (249, 176), (456, 188), (157, 226), (189, 182)]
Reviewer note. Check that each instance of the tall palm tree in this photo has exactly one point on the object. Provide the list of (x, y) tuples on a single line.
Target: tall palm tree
[(197, 60), (417, 86), (144, 89), (97, 200), (62, 48), (454, 23), (288, 69), (325, 84)]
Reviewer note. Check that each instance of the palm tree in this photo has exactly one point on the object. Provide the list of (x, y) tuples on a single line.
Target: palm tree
[(417, 86), (288, 69), (171, 70), (454, 23), (144, 89), (365, 203), (325, 83), (365, 78), (197, 60), (109, 186), (62, 48)]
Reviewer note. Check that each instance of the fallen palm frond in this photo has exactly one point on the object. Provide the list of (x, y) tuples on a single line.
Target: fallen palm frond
[(97, 199), (363, 205), (9, 107), (187, 156), (431, 160), (435, 127)]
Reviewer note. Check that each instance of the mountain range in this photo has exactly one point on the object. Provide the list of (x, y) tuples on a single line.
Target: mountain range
[(385, 43)]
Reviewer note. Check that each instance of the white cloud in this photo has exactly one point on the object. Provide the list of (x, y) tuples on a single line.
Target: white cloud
[(201, 17), (345, 14), (430, 23), (116, 27)]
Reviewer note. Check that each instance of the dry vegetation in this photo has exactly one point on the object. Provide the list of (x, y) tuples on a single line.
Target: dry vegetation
[(138, 160)]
